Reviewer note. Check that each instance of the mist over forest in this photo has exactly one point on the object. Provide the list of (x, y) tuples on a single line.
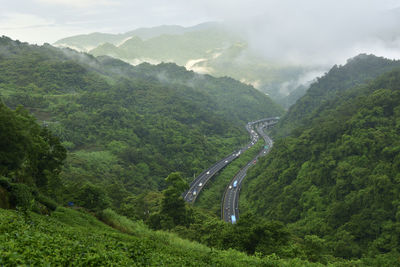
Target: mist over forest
[(200, 133)]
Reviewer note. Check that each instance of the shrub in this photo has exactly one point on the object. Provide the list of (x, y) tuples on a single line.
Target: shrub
[(5, 183), (48, 202), (4, 198), (21, 196), (113, 219), (92, 197)]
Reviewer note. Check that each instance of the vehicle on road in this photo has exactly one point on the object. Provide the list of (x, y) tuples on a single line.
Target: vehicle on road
[(230, 187), (233, 219), (208, 172), (200, 184), (194, 192), (235, 184)]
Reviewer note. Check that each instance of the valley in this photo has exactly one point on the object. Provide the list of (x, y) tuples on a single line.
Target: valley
[(208, 48), (251, 136)]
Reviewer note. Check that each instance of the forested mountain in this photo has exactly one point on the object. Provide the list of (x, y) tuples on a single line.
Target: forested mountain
[(87, 42), (358, 70), (36, 230), (211, 48), (336, 179), (128, 126), (124, 127)]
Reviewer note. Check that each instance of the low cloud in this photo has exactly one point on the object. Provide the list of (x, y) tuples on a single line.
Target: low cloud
[(20, 20), (33, 29), (314, 32), (78, 3)]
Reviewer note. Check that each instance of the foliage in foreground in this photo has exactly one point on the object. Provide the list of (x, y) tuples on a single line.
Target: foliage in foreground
[(70, 237)]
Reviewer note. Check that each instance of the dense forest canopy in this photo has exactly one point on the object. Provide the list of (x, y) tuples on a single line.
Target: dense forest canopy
[(100, 135), (337, 177), (127, 126), (211, 47), (358, 70)]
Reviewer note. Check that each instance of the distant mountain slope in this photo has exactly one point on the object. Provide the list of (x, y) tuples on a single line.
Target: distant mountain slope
[(358, 70), (206, 48), (124, 125), (337, 177), (86, 42), (177, 48)]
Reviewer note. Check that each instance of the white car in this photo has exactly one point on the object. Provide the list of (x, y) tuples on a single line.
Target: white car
[(208, 172), (230, 187), (200, 184), (194, 193), (226, 161)]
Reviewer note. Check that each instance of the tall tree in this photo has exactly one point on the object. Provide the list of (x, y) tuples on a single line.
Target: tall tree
[(173, 205)]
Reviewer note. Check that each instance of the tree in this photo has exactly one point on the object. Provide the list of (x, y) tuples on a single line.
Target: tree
[(92, 197), (173, 209)]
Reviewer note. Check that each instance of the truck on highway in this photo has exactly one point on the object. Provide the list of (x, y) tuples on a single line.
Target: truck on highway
[(233, 219)]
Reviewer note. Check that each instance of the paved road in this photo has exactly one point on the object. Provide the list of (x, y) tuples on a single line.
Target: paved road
[(230, 201), (200, 181)]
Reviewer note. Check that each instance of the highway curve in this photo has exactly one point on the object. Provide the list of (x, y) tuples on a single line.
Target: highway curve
[(230, 200), (200, 181)]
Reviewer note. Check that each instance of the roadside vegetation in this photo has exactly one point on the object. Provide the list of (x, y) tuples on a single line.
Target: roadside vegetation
[(211, 196)]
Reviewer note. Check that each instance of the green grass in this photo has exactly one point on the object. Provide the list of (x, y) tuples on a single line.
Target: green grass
[(75, 238), (210, 197)]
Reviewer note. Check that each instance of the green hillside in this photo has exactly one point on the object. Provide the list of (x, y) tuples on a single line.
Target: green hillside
[(107, 139), (86, 42), (358, 70), (208, 48), (337, 177), (126, 126), (37, 231), (70, 237)]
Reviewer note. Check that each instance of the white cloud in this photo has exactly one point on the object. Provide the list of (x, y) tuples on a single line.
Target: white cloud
[(19, 20), (316, 32), (78, 3), (311, 31), (34, 29)]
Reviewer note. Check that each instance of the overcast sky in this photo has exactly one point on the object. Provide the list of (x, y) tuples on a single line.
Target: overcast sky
[(296, 28)]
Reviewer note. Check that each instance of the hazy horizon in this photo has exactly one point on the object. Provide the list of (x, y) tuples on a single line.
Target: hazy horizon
[(311, 32)]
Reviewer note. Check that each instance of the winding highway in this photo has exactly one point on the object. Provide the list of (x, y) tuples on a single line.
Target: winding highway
[(230, 201), (200, 181)]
